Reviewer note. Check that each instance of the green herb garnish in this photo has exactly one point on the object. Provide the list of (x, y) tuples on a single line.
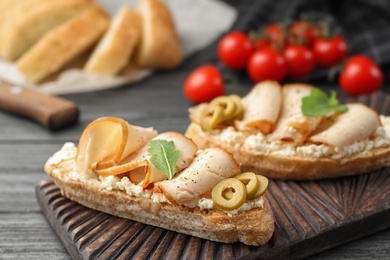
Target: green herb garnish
[(164, 156), (319, 104)]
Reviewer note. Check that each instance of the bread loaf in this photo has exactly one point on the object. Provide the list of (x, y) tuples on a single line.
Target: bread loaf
[(29, 20), (64, 43), (47, 37)]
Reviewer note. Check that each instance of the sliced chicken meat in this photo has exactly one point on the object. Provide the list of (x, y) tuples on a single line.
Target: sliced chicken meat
[(108, 140), (262, 106), (209, 167), (138, 167), (358, 123), (292, 125)]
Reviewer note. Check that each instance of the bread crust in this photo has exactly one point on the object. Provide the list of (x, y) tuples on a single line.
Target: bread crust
[(253, 227), (296, 167)]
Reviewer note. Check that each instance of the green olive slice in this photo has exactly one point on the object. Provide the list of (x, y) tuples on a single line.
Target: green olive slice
[(263, 187), (227, 104), (239, 109), (229, 194), (250, 181), (210, 117)]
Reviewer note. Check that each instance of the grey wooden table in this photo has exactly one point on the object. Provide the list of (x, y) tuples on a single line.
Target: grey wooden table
[(157, 101)]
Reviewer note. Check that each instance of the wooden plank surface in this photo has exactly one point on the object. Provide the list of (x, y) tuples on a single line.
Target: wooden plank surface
[(28, 235)]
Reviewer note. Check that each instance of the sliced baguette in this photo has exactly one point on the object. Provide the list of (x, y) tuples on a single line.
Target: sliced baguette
[(63, 44), (118, 44), (160, 46), (29, 20), (253, 227), (294, 167), (7, 6)]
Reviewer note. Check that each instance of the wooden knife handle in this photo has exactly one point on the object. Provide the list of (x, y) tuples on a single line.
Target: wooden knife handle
[(52, 112)]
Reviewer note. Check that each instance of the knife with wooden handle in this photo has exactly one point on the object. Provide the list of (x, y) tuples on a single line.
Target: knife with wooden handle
[(52, 112)]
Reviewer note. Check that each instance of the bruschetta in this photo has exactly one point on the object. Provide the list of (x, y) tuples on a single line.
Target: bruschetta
[(273, 137), (163, 180)]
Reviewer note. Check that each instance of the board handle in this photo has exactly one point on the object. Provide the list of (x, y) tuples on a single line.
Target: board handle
[(52, 112)]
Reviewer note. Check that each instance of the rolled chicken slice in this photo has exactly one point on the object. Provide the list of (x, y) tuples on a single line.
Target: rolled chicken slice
[(108, 140), (357, 124), (209, 167), (138, 167), (195, 112), (292, 125), (261, 107)]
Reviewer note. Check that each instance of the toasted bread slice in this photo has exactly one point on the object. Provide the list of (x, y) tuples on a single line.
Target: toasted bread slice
[(160, 46), (64, 43), (118, 44), (29, 20), (6, 6)]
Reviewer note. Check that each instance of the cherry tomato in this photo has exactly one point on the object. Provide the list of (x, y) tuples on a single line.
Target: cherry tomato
[(276, 34), (304, 30), (234, 50), (330, 52), (261, 44), (267, 64), (204, 84), (299, 61), (361, 75)]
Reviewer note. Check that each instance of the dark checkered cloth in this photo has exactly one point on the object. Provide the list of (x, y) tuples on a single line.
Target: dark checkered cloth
[(365, 24)]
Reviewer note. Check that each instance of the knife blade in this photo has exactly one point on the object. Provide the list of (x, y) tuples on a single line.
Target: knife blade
[(52, 112)]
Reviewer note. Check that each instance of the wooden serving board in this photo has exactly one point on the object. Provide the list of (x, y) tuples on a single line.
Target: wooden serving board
[(310, 217)]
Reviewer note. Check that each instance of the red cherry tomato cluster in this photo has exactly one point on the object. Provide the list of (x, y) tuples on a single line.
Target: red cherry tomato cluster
[(296, 50), (278, 52)]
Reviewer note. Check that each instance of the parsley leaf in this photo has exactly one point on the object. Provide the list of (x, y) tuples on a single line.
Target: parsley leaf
[(164, 156), (319, 104)]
